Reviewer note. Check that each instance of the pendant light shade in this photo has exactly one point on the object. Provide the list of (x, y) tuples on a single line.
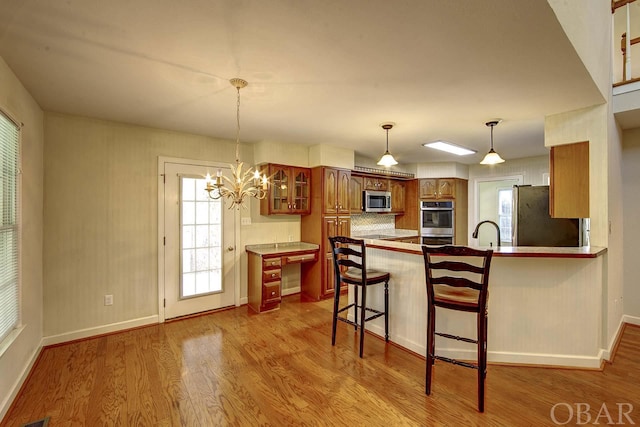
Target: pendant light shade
[(387, 159), (492, 158)]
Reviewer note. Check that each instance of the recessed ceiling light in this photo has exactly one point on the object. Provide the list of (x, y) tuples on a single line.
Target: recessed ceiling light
[(449, 148)]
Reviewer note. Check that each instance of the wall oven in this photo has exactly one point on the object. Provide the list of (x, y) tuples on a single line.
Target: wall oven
[(437, 222)]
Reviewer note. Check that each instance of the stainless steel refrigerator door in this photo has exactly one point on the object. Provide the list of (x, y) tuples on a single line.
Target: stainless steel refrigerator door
[(532, 224)]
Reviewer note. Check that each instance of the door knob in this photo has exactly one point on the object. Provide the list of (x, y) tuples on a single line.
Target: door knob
[(230, 249)]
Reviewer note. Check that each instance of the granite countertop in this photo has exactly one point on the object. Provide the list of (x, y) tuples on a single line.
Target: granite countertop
[(281, 248), (383, 234)]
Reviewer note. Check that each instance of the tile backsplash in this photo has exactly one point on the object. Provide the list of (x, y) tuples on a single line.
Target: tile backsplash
[(372, 221)]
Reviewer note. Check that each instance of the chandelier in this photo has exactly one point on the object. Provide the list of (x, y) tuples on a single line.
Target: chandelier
[(243, 183)]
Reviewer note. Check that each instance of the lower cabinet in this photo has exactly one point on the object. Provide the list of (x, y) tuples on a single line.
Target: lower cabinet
[(264, 281), (265, 277)]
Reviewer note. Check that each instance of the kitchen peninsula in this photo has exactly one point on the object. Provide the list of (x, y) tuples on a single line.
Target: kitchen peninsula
[(545, 305)]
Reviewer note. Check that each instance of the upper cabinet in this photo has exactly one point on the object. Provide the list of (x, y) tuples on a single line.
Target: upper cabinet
[(375, 184), (397, 196), (289, 192), (437, 188), (336, 191), (355, 194), (569, 181)]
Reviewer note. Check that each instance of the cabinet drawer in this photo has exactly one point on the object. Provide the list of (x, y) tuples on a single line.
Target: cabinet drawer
[(271, 292), (271, 263), (293, 259), (271, 275)]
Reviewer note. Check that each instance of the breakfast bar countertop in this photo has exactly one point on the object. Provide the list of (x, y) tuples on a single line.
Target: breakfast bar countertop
[(281, 248), (503, 251)]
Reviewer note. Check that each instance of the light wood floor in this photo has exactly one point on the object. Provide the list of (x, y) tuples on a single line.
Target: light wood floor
[(238, 368)]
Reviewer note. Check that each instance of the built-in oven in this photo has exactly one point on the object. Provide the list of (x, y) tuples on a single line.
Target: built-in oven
[(437, 222)]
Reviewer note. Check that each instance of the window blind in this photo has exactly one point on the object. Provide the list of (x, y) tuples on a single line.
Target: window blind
[(9, 137)]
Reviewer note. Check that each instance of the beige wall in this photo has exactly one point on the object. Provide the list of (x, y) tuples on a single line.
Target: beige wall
[(631, 212), (16, 360), (101, 218), (588, 26)]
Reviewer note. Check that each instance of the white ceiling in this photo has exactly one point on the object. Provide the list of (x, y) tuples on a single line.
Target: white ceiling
[(319, 71)]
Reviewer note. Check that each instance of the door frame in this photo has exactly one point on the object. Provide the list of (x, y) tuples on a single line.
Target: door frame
[(476, 185), (162, 160)]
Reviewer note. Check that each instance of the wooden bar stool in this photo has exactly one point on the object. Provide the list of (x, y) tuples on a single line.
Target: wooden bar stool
[(350, 267), (449, 286)]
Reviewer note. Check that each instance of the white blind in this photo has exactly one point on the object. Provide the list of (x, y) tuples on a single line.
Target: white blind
[(9, 137)]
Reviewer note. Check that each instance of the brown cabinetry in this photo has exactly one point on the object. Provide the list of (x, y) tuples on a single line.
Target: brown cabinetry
[(335, 191), (376, 183), (355, 194), (265, 275), (264, 282), (289, 192), (569, 181), (437, 188), (397, 196), (330, 216)]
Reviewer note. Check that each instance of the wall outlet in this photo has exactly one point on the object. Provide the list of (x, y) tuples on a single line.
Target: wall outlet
[(245, 220), (108, 300)]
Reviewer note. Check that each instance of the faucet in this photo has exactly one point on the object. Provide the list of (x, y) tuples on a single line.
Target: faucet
[(475, 232)]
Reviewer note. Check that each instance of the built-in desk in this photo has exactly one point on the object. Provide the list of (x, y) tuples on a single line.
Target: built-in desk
[(265, 264)]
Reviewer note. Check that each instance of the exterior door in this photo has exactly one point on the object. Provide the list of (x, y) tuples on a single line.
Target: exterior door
[(199, 244)]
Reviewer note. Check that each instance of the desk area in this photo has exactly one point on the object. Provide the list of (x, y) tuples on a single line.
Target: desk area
[(265, 264)]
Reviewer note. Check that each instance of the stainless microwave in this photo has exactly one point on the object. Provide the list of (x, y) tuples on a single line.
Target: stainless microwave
[(376, 201)]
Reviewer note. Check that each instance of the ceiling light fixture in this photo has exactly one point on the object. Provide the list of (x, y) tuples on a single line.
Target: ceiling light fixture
[(243, 184), (387, 159), (492, 157), (449, 148)]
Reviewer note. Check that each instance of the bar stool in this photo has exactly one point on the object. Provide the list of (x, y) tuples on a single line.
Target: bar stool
[(453, 289), (350, 267)]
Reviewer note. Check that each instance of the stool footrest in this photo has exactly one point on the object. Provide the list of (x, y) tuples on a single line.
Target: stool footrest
[(455, 362), (377, 313), (455, 337)]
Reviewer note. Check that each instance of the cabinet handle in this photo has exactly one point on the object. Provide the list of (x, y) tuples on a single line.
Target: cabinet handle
[(273, 293), (294, 206), (273, 274)]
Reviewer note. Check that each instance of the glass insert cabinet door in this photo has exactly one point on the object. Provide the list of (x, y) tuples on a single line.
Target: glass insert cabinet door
[(301, 191), (201, 240), (280, 190)]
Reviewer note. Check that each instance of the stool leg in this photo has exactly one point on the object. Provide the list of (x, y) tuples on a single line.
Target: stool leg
[(336, 305), (363, 314), (355, 307), (482, 358), (431, 328), (386, 311)]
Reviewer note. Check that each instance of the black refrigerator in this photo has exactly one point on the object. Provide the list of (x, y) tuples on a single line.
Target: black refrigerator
[(533, 226)]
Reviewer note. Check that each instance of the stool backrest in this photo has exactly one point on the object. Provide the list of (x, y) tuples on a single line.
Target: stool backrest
[(459, 267), (348, 253)]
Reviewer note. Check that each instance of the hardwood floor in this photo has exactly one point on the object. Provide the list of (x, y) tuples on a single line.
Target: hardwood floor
[(237, 368)]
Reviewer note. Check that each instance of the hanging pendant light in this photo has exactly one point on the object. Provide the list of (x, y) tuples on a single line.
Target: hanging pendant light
[(387, 159), (492, 158), (243, 183)]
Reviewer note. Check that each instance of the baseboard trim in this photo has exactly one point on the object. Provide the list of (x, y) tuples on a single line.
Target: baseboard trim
[(633, 320), (17, 386), (99, 330), (503, 357), (291, 291), (609, 353)]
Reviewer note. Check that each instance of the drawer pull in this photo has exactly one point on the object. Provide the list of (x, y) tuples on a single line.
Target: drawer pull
[(273, 293), (273, 274)]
